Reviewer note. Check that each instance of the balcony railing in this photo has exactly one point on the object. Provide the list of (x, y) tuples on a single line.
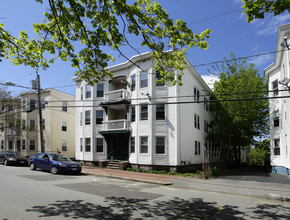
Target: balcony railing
[(115, 125), (117, 95)]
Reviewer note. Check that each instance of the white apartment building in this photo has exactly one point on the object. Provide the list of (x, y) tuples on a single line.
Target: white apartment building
[(58, 115), (133, 118), (278, 75)]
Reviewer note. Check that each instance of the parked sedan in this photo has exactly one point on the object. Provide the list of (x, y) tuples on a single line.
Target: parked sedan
[(55, 163), (12, 157)]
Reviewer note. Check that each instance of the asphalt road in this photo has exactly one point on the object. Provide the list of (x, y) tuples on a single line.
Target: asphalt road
[(26, 194)]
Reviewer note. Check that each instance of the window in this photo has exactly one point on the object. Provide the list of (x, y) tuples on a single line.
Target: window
[(88, 91), (144, 112), (32, 124), (205, 103), (132, 144), (64, 106), (196, 121), (99, 116), (160, 145), (160, 112), (275, 87), (197, 148), (159, 77), (88, 144), (133, 114), (23, 146), (87, 117), (100, 90), (100, 145), (63, 145), (43, 124), (31, 144), (276, 118), (196, 94), (2, 144), (2, 127), (144, 80), (81, 118), (144, 145), (43, 102), (277, 146), (24, 104), (64, 125), (82, 93), (81, 145), (133, 82), (32, 105), (205, 126)]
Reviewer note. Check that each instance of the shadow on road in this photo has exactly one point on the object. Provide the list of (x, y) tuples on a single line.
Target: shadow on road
[(258, 174), (123, 208)]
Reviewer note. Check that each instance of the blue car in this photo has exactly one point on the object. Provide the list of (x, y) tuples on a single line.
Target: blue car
[(55, 163)]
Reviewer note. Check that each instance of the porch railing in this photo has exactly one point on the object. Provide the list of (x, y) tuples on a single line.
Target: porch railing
[(115, 125), (117, 95)]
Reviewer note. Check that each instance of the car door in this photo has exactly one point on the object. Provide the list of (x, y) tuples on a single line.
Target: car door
[(2, 155), (43, 162), (37, 160)]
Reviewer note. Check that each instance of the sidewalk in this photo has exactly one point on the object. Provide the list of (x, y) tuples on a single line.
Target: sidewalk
[(265, 189)]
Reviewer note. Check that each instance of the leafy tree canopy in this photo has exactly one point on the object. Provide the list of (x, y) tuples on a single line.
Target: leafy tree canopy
[(256, 9), (242, 111), (82, 31)]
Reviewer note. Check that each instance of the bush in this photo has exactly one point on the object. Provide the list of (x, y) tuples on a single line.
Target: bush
[(213, 171)]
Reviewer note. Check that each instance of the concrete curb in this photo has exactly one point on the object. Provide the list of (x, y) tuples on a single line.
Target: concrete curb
[(128, 178)]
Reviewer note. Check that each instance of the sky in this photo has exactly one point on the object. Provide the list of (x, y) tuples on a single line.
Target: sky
[(230, 33)]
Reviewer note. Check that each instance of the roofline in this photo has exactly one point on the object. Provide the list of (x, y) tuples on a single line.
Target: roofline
[(281, 32)]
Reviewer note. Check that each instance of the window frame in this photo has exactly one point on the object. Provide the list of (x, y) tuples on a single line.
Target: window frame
[(132, 145), (98, 145), (88, 145), (163, 146), (87, 117), (275, 87), (197, 148), (158, 77), (64, 126), (34, 145), (133, 82), (100, 90), (143, 114), (143, 79), (160, 115), (99, 120), (64, 106), (276, 145), (88, 91), (196, 121), (276, 119), (64, 147), (144, 145)]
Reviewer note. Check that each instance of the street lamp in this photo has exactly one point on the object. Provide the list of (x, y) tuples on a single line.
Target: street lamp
[(286, 43)]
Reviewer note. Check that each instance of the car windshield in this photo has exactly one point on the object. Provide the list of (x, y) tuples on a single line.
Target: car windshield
[(58, 157)]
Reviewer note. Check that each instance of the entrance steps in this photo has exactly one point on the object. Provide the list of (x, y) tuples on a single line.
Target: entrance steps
[(113, 165)]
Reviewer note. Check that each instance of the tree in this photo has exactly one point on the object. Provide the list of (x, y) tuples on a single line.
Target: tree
[(256, 9), (240, 107), (260, 152), (81, 31)]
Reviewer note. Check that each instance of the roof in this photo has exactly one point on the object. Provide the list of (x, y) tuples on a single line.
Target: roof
[(283, 30)]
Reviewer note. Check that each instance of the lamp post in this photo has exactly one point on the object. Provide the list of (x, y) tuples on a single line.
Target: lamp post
[(42, 147)]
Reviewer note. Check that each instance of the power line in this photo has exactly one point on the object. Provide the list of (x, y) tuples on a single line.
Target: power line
[(215, 16)]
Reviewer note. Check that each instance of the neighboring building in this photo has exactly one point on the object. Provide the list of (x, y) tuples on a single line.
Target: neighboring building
[(133, 118), (58, 123), (10, 124), (278, 75)]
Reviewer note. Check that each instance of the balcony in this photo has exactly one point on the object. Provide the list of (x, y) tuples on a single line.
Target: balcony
[(116, 125), (120, 96)]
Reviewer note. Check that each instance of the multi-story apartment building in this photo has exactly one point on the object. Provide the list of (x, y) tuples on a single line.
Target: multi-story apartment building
[(10, 124), (278, 75), (133, 118), (58, 122)]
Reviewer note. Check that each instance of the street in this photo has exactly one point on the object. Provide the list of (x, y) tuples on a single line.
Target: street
[(29, 194)]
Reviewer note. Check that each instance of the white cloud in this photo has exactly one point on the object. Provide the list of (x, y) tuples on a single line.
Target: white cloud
[(210, 80), (261, 60), (270, 27)]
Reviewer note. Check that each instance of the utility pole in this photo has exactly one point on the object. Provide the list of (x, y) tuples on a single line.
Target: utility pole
[(40, 114)]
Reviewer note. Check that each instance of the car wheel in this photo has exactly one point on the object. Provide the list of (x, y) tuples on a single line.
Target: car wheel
[(53, 170), (6, 162), (32, 167)]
